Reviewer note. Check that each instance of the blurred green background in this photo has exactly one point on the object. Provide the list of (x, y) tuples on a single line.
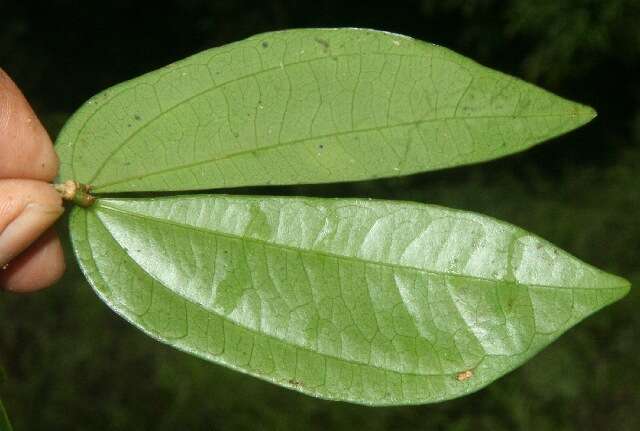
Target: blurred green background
[(72, 364)]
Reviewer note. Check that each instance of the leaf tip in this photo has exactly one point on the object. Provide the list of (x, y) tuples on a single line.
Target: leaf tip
[(625, 286), (621, 285), (590, 112), (585, 113)]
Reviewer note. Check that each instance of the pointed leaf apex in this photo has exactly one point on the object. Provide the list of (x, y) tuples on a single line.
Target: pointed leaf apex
[(587, 112)]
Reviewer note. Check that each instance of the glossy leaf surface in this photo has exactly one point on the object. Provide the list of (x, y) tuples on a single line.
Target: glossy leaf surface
[(371, 302), (306, 106)]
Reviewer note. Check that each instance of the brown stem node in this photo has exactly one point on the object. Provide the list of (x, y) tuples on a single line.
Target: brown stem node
[(75, 192)]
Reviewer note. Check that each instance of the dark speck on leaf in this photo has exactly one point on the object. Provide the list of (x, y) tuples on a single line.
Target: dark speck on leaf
[(321, 146), (265, 44), (324, 43), (137, 117)]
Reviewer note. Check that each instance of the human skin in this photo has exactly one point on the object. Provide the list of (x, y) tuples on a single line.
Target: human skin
[(31, 255)]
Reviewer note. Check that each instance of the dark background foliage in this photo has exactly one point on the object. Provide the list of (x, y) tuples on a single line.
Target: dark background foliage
[(72, 364)]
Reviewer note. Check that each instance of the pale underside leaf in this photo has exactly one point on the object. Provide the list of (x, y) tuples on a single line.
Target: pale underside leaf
[(372, 302), (306, 106)]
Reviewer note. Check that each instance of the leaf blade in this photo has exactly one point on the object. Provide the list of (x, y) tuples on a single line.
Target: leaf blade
[(306, 106), (237, 282)]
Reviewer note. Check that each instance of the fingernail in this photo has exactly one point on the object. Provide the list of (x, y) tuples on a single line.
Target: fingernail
[(34, 219)]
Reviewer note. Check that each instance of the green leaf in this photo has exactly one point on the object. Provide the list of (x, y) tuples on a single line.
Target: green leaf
[(356, 300), (306, 106), (372, 302)]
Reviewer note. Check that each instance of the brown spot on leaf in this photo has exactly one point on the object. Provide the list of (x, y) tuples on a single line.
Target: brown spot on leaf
[(464, 375)]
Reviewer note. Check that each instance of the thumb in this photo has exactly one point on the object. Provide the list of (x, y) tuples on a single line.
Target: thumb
[(27, 209)]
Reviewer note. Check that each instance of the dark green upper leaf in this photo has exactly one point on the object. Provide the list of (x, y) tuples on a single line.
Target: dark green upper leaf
[(365, 301), (306, 106)]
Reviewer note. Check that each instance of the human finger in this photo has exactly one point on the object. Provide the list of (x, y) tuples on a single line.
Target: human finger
[(27, 209), (39, 266), (25, 147)]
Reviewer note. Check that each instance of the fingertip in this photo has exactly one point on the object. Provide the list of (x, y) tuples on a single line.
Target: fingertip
[(38, 267), (27, 150)]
